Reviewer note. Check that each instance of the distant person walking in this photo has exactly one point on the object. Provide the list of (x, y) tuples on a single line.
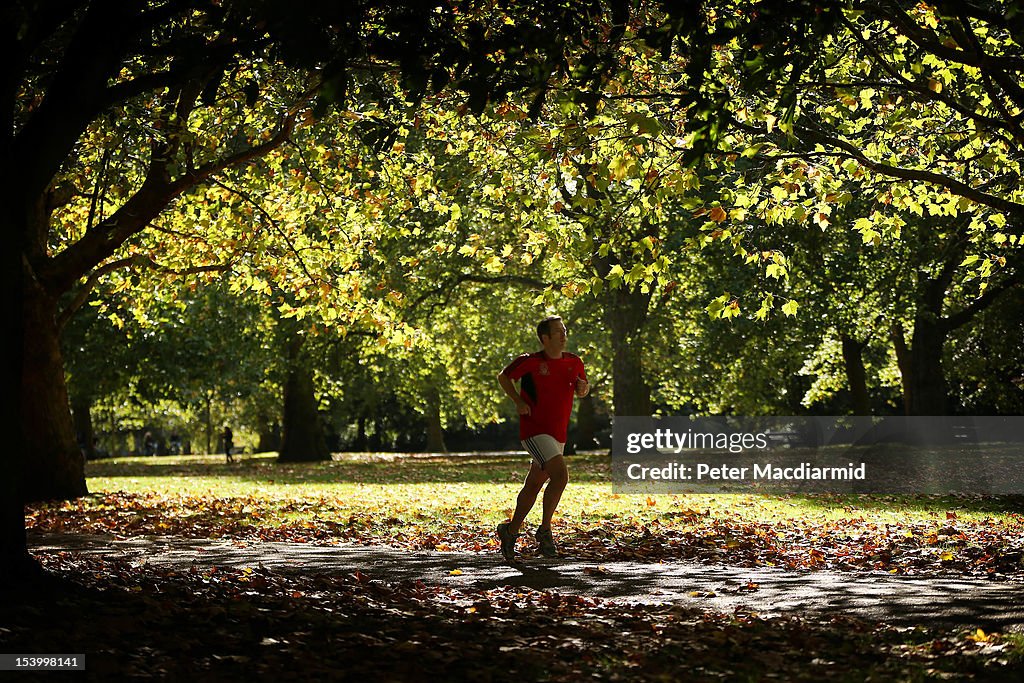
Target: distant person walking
[(548, 381), (229, 438)]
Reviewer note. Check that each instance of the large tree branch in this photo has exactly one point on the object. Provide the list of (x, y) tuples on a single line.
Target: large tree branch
[(926, 94), (105, 40), (930, 42), (965, 33), (847, 150), (82, 295), (78, 90), (955, 186), (37, 27), (449, 287), (133, 216), (964, 316), (139, 260)]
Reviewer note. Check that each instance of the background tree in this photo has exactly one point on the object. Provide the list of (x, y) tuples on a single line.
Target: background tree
[(920, 97)]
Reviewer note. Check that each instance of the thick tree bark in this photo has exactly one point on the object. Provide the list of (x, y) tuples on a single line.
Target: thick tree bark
[(929, 394), (302, 438), (54, 468), (625, 315), (925, 391), (921, 373), (856, 375), (15, 561)]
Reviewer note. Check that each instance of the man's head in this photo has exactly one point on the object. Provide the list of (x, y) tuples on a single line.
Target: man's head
[(552, 334)]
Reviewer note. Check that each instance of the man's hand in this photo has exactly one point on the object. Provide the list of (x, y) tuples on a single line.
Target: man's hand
[(510, 389), (582, 387)]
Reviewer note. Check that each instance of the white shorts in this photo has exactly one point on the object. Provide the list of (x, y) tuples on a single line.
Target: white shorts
[(543, 447)]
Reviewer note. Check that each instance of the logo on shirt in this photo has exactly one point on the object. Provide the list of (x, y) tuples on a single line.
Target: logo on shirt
[(543, 369)]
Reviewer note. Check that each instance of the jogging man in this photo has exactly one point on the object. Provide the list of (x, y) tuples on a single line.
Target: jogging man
[(548, 380)]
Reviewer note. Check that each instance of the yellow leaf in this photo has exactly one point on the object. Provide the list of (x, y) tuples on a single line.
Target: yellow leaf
[(980, 636)]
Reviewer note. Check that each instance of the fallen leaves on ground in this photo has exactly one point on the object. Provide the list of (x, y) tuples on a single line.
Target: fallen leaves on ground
[(949, 546), (255, 624)]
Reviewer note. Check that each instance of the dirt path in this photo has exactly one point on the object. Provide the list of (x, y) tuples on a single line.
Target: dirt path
[(902, 600)]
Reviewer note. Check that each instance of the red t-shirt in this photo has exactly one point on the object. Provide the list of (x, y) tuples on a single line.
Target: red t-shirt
[(548, 386)]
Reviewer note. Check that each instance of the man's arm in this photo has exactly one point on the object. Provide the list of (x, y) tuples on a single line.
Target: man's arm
[(506, 383), (582, 385)]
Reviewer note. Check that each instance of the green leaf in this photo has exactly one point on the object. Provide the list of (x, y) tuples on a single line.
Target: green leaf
[(715, 308), (752, 150)]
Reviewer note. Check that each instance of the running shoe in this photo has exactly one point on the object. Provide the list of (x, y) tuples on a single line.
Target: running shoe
[(547, 543), (508, 542)]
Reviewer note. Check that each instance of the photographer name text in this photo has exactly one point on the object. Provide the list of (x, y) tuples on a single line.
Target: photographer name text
[(677, 471)]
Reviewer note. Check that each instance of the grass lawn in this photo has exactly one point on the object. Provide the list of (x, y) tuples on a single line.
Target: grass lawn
[(226, 624)]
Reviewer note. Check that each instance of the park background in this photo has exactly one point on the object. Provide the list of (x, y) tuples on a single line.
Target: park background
[(330, 229)]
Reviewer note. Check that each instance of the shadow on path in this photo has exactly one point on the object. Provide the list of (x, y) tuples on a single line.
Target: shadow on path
[(900, 600)]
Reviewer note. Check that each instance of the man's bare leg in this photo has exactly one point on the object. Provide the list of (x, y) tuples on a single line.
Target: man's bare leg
[(559, 477), (528, 495)]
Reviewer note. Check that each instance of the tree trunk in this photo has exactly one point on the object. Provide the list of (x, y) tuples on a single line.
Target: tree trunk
[(14, 556), (270, 435), (928, 394), (81, 413), (208, 419), (54, 468), (361, 444), (899, 342), (586, 424), (856, 375), (435, 431), (302, 438), (376, 442), (625, 316)]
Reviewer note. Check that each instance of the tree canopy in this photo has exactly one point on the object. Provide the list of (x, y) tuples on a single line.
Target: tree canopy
[(339, 212)]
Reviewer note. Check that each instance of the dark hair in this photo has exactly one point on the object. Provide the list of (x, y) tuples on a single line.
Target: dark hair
[(544, 326)]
